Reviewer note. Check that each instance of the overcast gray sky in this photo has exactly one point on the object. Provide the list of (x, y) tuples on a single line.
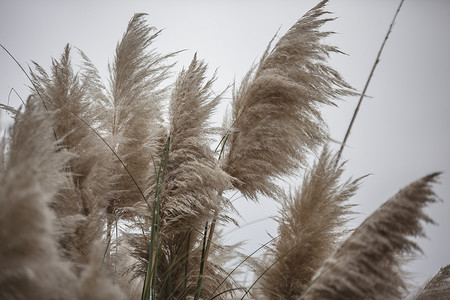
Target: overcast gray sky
[(400, 135)]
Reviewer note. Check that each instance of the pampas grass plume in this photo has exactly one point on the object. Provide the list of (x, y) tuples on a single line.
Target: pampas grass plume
[(276, 120), (310, 224), (438, 288), (368, 263), (30, 265)]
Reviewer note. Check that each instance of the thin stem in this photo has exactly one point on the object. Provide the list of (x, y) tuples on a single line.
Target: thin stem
[(202, 265), (299, 243), (117, 156), (367, 84), (243, 261), (210, 235), (23, 70), (149, 288), (13, 90), (32, 82), (186, 266), (108, 234)]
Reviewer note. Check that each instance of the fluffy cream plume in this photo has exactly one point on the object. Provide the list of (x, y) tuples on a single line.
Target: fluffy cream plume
[(193, 181), (438, 288), (81, 207), (276, 120), (135, 109), (94, 282), (309, 227), (127, 280), (368, 264), (30, 266)]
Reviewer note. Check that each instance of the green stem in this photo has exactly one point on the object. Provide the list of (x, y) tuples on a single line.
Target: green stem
[(149, 288), (202, 265), (186, 266)]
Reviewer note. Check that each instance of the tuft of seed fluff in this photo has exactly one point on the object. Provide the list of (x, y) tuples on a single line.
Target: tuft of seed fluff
[(310, 224), (30, 263), (368, 263), (276, 119)]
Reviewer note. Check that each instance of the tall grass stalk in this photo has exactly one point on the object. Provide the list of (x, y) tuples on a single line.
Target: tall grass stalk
[(202, 264), (151, 275), (363, 93)]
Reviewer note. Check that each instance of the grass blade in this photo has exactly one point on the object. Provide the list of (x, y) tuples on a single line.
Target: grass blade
[(150, 276), (202, 264)]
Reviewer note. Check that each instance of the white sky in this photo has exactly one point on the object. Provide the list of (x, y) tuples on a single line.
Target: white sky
[(400, 135)]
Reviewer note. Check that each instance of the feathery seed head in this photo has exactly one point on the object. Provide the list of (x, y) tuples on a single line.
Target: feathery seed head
[(311, 223), (368, 265), (276, 120)]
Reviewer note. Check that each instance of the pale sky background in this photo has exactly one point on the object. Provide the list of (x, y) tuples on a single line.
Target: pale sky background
[(400, 135)]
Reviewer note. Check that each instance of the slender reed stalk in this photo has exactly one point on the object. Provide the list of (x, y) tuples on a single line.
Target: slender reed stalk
[(151, 274), (26, 74), (17, 94), (202, 265), (363, 94)]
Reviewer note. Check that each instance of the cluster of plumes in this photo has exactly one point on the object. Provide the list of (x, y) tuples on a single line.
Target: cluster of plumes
[(115, 139), (81, 205), (32, 177), (191, 190), (90, 171)]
